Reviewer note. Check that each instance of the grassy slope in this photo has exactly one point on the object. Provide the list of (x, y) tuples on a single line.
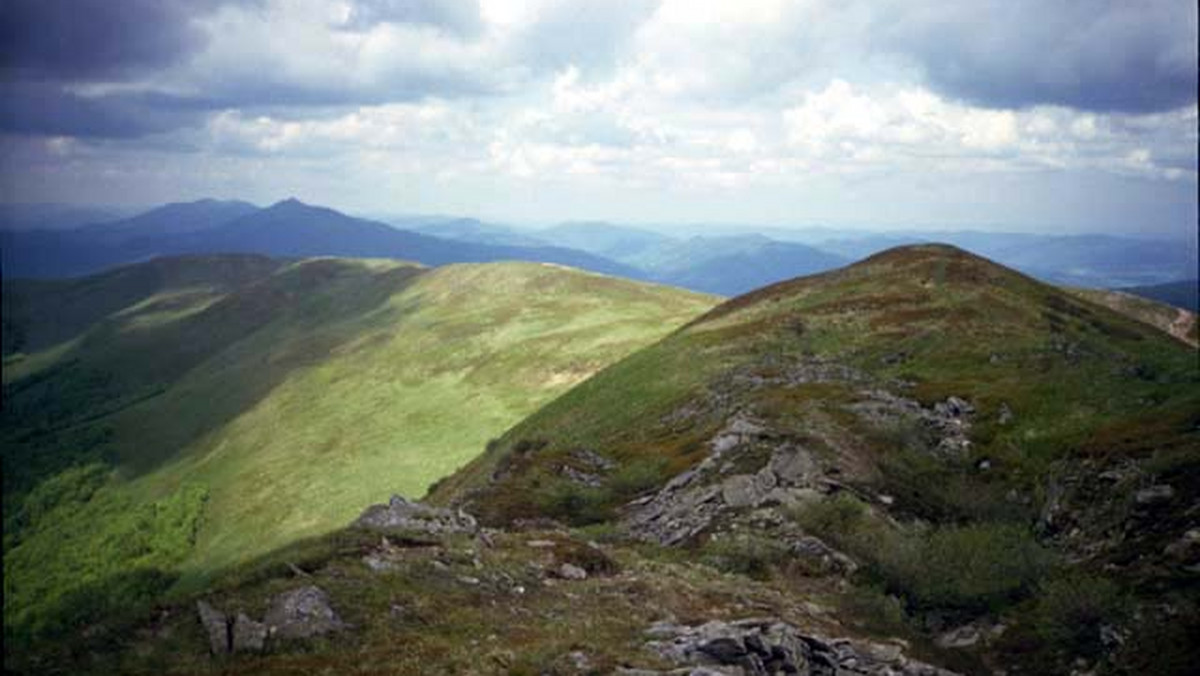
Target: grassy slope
[(1088, 390), (325, 386), (968, 327), (1176, 321), (949, 312)]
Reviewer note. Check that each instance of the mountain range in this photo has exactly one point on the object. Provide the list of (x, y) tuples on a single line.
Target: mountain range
[(289, 228), (727, 261)]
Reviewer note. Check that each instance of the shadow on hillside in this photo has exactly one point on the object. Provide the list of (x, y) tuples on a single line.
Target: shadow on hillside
[(116, 378)]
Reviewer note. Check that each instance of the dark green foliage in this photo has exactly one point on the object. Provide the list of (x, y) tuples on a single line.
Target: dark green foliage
[(1071, 609), (958, 568), (88, 550), (970, 568), (749, 555), (573, 503)]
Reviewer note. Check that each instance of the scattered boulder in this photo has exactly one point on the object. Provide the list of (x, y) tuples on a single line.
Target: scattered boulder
[(1154, 495), (402, 515), (569, 571), (747, 490), (248, 636), (793, 465), (302, 613), (217, 625), (758, 647), (959, 637)]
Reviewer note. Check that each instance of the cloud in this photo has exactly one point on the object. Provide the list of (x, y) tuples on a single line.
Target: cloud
[(88, 39), (1096, 55), (49, 109), (461, 17)]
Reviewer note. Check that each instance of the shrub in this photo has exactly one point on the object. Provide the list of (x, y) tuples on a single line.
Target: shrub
[(834, 518), (637, 476), (576, 504), (970, 568), (1071, 609), (748, 555)]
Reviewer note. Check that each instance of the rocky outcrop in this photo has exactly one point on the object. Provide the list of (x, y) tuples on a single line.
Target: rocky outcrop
[(297, 614), (216, 625), (402, 515), (248, 636), (689, 503), (762, 647), (302, 613), (947, 424)]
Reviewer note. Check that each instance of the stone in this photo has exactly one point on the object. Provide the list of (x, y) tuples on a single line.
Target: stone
[(248, 636), (766, 646), (747, 490), (959, 637), (568, 571), (402, 515), (793, 465), (216, 624), (1155, 495), (302, 613)]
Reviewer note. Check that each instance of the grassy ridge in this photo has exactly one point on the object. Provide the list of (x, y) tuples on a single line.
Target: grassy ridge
[(956, 324), (1061, 388), (296, 399)]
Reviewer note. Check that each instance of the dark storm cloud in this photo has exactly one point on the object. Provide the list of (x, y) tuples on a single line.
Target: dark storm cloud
[(77, 40), (47, 109), (1096, 55)]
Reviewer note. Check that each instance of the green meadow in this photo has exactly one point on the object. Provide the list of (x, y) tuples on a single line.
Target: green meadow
[(275, 403)]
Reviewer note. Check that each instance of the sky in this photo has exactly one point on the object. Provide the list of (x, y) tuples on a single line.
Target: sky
[(1065, 116)]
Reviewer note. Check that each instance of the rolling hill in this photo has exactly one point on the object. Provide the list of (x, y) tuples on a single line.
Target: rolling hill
[(205, 410), (976, 448), (724, 265), (920, 459), (1183, 294)]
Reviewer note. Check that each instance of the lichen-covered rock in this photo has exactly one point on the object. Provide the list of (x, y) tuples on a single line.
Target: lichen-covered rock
[(302, 613), (248, 636), (760, 647), (216, 624), (402, 515), (569, 571)]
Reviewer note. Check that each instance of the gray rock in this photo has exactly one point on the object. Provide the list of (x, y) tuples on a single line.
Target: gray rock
[(401, 515), (959, 637), (568, 571), (302, 613), (216, 624), (1155, 495), (765, 646), (826, 557), (248, 636), (746, 490), (793, 465)]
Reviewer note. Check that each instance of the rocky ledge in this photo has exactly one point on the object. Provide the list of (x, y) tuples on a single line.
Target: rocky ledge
[(765, 647)]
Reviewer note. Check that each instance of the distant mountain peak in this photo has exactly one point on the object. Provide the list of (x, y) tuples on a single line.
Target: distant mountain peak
[(289, 202)]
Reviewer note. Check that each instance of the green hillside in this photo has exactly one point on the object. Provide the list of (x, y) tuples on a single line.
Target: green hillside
[(265, 401), (981, 445)]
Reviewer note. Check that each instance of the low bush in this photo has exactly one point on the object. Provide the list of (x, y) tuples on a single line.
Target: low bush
[(753, 556), (970, 568), (964, 568), (1071, 609)]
